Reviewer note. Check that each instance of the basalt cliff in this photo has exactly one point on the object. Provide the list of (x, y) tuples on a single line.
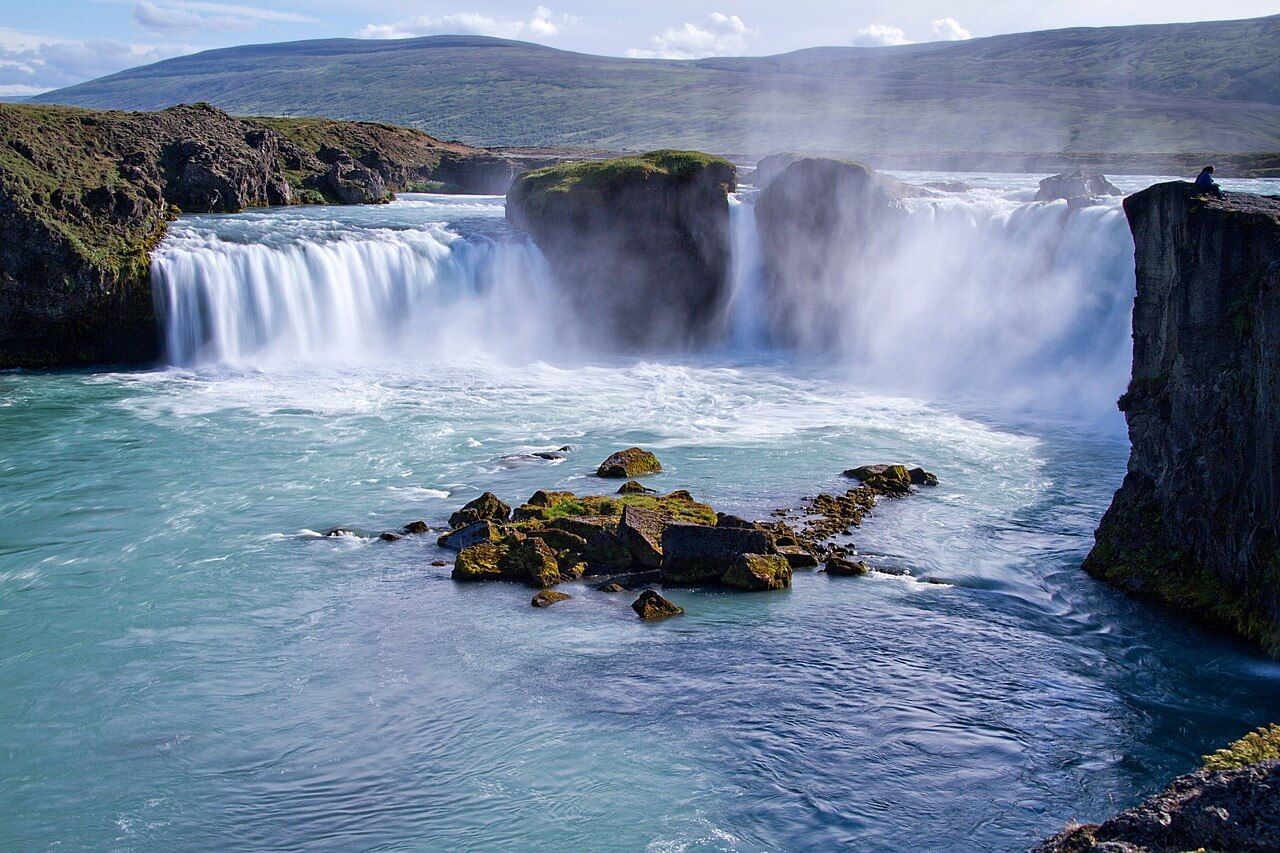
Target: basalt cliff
[(85, 196), (1194, 526), (641, 243)]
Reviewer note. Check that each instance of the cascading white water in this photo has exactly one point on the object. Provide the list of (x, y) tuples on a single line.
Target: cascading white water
[(980, 296), (306, 290), (983, 295)]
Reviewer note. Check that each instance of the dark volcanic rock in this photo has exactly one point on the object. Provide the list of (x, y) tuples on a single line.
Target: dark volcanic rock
[(1195, 523), (641, 243), (841, 567), (825, 226), (1208, 810), (472, 534), (632, 462), (548, 597), (631, 487), (1076, 185), (694, 553), (651, 605)]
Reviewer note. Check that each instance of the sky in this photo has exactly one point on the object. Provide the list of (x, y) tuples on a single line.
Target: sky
[(47, 44)]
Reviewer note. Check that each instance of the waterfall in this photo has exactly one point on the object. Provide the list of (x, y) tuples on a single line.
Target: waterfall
[(747, 308), (347, 294)]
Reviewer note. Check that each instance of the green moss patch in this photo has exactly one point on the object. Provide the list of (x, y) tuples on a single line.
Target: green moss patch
[(541, 186), (1255, 747)]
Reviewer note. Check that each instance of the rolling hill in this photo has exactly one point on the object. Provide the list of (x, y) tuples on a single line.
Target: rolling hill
[(1165, 88)]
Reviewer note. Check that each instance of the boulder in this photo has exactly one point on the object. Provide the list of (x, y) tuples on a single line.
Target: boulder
[(696, 554), (481, 562), (341, 531), (472, 534), (893, 480), (921, 477), (841, 567), (415, 528), (632, 462), (611, 586), (548, 597), (639, 245), (796, 556), (390, 537), (540, 504), (531, 561), (1076, 185), (757, 572), (640, 531), (487, 507), (651, 605), (606, 554), (631, 487)]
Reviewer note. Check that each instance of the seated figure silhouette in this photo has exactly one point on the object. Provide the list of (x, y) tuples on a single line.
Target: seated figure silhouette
[(1206, 184)]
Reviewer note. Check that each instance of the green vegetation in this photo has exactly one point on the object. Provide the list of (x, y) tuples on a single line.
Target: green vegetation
[(677, 506), (599, 177), (1256, 746), (1167, 88)]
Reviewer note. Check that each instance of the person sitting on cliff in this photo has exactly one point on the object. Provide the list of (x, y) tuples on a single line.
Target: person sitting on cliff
[(1206, 184)]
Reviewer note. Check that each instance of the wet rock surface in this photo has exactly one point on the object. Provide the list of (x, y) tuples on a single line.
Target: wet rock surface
[(651, 605), (632, 462), (1075, 186)]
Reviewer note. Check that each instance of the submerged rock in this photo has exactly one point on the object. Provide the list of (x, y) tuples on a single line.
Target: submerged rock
[(632, 462), (841, 567), (651, 605), (639, 244), (340, 531), (390, 537), (415, 528), (1076, 185), (487, 507), (757, 572), (548, 597)]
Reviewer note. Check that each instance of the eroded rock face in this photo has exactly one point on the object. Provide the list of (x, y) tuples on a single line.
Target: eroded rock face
[(824, 226), (697, 554), (1195, 523), (641, 244)]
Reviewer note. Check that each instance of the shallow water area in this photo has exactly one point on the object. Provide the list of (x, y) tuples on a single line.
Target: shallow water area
[(187, 665)]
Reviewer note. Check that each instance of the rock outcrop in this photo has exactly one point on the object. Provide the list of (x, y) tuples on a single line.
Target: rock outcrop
[(1232, 803), (85, 196), (1076, 186), (640, 243), (1195, 523), (632, 462), (824, 225)]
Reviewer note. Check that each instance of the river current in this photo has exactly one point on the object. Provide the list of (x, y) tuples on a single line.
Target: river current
[(186, 664)]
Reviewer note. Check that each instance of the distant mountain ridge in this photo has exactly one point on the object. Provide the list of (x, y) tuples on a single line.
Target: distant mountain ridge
[(1211, 86)]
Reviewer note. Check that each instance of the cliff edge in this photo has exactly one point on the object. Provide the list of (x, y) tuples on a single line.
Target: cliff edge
[(85, 196), (1194, 526)]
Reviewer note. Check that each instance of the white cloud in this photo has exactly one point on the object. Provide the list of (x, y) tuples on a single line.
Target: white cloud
[(949, 29), (718, 35), (31, 63), (544, 24), (171, 15), (880, 35)]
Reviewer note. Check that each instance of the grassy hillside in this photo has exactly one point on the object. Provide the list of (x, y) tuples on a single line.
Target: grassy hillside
[(1168, 88)]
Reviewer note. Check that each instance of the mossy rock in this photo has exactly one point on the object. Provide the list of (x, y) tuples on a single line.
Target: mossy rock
[(758, 572), (531, 561), (1255, 747), (650, 605), (480, 562), (487, 507), (548, 597), (595, 179), (632, 462)]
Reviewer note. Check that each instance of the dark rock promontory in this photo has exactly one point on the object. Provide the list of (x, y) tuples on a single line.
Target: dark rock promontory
[(1195, 523), (641, 243), (85, 196)]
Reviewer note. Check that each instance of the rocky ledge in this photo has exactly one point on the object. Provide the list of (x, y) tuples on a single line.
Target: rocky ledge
[(641, 243), (85, 196), (1194, 526), (1231, 803)]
